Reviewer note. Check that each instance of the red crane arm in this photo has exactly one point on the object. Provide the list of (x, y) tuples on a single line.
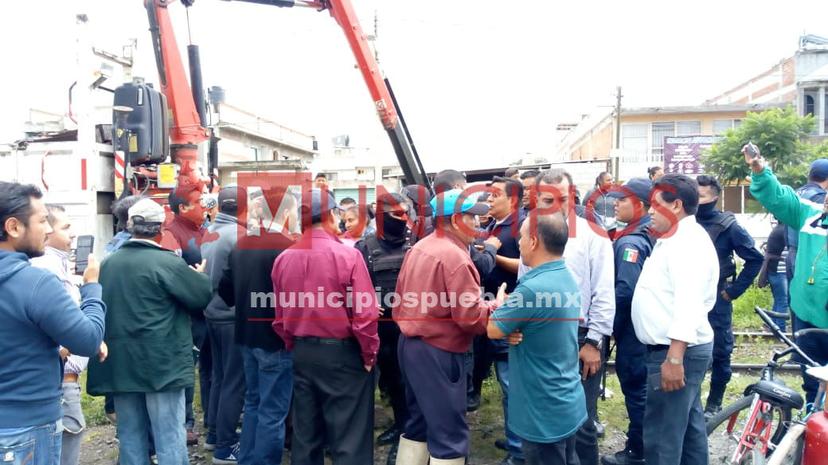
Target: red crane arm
[(343, 12), (387, 109), (186, 131)]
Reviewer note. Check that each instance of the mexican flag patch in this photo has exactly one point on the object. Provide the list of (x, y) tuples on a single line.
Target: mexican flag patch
[(630, 255)]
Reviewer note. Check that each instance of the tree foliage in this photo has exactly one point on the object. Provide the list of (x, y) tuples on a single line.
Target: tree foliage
[(782, 138)]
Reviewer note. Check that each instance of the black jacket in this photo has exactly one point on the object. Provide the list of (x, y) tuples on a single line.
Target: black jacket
[(246, 283), (733, 239)]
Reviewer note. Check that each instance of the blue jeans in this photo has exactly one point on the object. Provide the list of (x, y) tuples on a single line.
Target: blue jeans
[(502, 372), (268, 390), (33, 445), (73, 424), (164, 412), (779, 288), (674, 427)]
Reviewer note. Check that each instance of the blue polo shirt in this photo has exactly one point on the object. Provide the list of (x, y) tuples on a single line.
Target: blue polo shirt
[(546, 399)]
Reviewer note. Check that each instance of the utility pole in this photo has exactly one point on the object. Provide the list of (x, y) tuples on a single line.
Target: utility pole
[(617, 159)]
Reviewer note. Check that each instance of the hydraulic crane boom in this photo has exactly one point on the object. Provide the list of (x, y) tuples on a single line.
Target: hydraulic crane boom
[(387, 109), (187, 130)]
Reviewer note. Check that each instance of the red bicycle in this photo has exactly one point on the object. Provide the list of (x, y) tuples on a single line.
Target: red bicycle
[(748, 431)]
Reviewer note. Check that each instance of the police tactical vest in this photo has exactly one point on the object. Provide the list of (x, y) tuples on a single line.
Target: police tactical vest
[(384, 265), (724, 220)]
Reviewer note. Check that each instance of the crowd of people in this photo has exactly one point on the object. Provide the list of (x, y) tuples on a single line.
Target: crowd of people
[(418, 295)]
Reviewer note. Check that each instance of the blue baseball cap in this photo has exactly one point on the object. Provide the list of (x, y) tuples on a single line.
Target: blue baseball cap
[(321, 201), (819, 168), (638, 187), (454, 201)]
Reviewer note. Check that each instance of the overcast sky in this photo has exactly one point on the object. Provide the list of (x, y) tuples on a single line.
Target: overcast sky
[(481, 83)]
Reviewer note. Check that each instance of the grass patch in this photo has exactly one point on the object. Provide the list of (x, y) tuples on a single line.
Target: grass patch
[(744, 318), (93, 407)]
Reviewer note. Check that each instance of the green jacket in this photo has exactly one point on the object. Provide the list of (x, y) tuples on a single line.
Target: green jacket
[(150, 293), (809, 287)]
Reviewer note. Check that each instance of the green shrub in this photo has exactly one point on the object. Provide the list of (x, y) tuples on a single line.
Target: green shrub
[(744, 318)]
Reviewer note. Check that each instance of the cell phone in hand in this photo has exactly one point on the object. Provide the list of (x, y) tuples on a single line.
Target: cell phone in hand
[(82, 251), (752, 150)]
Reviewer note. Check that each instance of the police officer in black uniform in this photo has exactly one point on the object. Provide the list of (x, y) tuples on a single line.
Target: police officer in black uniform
[(632, 246), (384, 252), (728, 237)]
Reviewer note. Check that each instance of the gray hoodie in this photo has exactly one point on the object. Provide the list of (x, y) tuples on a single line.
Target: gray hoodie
[(219, 241)]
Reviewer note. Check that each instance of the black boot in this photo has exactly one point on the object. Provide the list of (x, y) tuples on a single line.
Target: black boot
[(389, 436), (392, 454), (472, 402), (624, 457)]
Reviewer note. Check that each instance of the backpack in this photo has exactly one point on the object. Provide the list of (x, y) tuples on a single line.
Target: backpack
[(384, 265)]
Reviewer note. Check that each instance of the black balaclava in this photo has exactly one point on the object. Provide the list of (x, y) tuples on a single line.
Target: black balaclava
[(394, 230), (706, 211)]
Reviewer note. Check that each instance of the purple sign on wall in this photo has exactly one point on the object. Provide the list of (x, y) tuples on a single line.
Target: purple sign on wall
[(682, 154)]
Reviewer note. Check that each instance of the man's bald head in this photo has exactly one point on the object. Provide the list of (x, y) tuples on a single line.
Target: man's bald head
[(543, 238), (553, 233)]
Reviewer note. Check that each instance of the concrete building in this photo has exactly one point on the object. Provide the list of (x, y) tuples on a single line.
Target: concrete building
[(643, 131), (250, 142), (799, 80), (356, 172)]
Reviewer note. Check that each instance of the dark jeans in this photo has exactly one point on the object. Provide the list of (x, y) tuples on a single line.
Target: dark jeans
[(36, 445), (502, 373), (779, 288), (204, 360), (631, 368), (268, 390), (390, 377), (586, 439), (482, 363), (227, 384), (553, 453), (674, 427), (814, 346), (721, 320), (333, 404), (435, 388)]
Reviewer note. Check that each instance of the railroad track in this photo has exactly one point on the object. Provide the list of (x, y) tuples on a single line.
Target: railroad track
[(757, 335), (748, 367), (740, 367)]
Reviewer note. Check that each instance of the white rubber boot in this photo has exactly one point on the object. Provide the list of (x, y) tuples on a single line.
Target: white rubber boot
[(457, 461), (412, 452)]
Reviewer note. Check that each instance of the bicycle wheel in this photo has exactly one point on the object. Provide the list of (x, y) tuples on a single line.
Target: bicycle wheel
[(722, 443)]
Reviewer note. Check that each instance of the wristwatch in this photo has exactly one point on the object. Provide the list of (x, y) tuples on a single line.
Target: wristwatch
[(674, 361), (597, 343)]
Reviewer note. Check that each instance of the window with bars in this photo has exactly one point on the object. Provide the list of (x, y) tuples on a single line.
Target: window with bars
[(659, 132), (688, 128)]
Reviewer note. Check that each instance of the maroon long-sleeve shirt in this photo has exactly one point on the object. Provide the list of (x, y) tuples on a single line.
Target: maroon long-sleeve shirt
[(439, 291), (323, 289)]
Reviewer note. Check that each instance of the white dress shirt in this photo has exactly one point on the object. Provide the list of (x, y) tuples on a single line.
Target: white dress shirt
[(677, 288), (589, 257)]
